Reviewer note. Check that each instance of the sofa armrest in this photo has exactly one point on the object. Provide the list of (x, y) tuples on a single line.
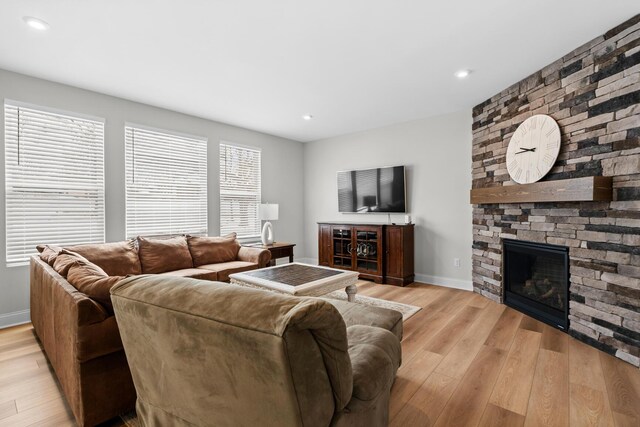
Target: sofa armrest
[(375, 357), (256, 255)]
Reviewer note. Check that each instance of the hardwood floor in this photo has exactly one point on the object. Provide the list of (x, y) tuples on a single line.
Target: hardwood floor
[(466, 362)]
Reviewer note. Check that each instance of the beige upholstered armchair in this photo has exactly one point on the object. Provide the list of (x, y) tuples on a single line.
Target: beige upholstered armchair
[(213, 354)]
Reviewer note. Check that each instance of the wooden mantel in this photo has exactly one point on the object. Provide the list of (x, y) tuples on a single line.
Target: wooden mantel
[(587, 189)]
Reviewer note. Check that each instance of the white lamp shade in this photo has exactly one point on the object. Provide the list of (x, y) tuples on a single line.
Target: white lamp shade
[(268, 211)]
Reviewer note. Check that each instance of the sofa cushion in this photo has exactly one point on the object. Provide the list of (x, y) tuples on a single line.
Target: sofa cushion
[(160, 255), (116, 258), (224, 269), (213, 250), (375, 357), (48, 253), (195, 273), (358, 314), (92, 281)]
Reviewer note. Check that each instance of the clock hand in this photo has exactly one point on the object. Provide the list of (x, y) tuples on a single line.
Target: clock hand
[(528, 149)]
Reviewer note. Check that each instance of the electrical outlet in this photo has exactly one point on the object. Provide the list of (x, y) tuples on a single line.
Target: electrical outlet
[(456, 262)]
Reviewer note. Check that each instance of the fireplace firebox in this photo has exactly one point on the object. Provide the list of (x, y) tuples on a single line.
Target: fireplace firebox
[(536, 280)]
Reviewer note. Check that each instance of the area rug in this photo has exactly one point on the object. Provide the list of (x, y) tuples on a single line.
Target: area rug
[(406, 309)]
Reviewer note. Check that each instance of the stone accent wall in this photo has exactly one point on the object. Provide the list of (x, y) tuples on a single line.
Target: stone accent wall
[(594, 95)]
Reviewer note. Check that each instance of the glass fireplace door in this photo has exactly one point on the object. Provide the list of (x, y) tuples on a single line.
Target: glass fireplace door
[(536, 280)]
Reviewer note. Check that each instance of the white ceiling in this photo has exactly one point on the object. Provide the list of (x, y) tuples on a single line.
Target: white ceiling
[(262, 64)]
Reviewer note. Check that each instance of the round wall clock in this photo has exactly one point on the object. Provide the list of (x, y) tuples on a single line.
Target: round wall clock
[(533, 149)]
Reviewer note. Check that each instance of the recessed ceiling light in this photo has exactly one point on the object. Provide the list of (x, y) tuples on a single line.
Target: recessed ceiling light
[(307, 117), (462, 74), (35, 23)]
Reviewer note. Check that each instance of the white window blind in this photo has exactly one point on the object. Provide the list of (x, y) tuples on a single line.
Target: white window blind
[(54, 178), (166, 183), (240, 187)]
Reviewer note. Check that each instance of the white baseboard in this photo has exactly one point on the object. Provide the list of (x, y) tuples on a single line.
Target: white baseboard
[(447, 282), (15, 318)]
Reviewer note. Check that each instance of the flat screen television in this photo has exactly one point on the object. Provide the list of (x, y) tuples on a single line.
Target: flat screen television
[(380, 190)]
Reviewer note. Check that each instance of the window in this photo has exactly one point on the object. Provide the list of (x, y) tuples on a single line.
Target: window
[(239, 190), (54, 177), (166, 183)]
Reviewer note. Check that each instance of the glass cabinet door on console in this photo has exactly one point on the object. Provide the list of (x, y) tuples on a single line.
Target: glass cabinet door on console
[(366, 249), (342, 249)]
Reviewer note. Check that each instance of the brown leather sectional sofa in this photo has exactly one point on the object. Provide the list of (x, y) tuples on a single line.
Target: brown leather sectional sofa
[(72, 314)]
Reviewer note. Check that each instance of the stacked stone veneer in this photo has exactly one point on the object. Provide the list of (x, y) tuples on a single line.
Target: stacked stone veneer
[(594, 95)]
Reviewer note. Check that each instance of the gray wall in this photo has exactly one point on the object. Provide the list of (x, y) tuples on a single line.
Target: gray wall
[(437, 153), (282, 168)]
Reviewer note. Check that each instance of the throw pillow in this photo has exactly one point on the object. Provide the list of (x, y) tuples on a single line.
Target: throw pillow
[(48, 253), (92, 281), (116, 259), (64, 260), (162, 255)]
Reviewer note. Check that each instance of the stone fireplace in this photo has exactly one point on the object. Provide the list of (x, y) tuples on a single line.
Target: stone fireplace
[(593, 93), (536, 280)]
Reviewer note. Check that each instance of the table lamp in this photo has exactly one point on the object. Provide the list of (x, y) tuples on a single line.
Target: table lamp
[(267, 212)]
